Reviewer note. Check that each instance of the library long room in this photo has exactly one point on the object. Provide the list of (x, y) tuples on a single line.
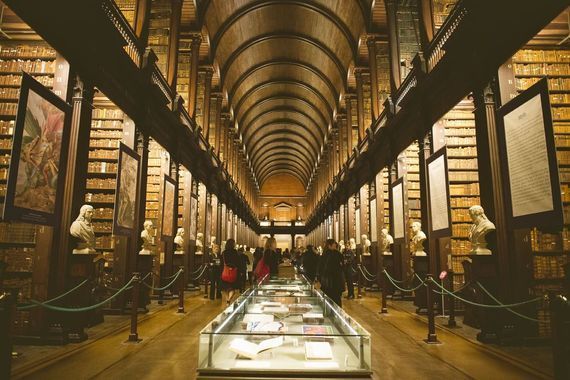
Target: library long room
[(223, 189)]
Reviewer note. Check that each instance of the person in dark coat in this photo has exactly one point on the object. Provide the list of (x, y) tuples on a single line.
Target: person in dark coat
[(273, 257), (331, 274), (215, 273), (231, 258), (348, 265), (242, 275), (310, 261)]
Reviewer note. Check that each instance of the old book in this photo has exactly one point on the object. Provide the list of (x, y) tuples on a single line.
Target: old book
[(300, 308), (318, 351), (250, 350), (313, 318)]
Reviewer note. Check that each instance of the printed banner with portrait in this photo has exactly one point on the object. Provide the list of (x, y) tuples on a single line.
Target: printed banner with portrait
[(126, 191), (39, 155)]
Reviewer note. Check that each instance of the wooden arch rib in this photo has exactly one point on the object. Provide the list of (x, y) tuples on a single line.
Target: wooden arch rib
[(276, 41), (270, 170), (281, 65), (280, 101), (278, 147), (241, 13), (264, 144), (286, 158), (293, 87), (270, 128), (282, 170)]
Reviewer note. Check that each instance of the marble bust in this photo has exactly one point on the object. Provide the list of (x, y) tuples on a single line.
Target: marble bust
[(341, 246), (199, 243), (352, 244), (179, 241), (147, 238), (386, 240), (417, 240), (365, 245), (82, 230), (479, 229)]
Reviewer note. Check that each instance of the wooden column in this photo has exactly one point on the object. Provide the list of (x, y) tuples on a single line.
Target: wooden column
[(491, 185), (189, 242), (173, 42), (349, 146), (142, 18), (427, 29), (222, 137), (360, 103), (215, 124), (391, 13), (194, 60), (371, 43), (424, 143), (207, 99)]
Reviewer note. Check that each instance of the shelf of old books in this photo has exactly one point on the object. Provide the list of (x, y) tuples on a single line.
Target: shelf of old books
[(456, 131), (159, 31), (412, 177), (18, 253), (284, 328), (550, 251), (441, 9), (106, 134), (158, 165), (128, 8), (183, 69)]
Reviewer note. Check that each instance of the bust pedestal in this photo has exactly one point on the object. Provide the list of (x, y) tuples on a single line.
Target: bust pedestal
[(420, 265), (483, 268), (388, 265)]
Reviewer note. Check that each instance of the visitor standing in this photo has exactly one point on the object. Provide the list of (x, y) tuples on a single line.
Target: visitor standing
[(231, 265), (331, 274)]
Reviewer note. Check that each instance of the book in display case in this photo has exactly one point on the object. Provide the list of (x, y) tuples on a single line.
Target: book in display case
[(284, 327)]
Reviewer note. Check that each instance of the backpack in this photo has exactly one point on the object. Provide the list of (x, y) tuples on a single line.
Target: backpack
[(261, 270)]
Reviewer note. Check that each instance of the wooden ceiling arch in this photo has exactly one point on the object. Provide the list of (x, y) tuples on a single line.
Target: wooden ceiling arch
[(284, 65)]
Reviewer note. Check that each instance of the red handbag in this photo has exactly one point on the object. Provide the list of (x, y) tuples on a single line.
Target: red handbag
[(229, 274)]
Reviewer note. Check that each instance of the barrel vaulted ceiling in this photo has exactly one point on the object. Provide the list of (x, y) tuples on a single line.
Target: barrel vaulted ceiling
[(283, 66)]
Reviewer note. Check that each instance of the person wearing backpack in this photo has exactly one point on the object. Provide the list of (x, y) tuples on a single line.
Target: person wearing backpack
[(231, 271), (262, 268)]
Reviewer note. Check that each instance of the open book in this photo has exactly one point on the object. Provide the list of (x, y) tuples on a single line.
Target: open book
[(318, 351), (250, 350)]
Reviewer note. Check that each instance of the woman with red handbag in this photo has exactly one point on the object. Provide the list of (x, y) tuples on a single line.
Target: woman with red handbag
[(230, 272)]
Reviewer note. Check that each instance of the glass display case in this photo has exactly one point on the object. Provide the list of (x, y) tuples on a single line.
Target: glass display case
[(284, 328)]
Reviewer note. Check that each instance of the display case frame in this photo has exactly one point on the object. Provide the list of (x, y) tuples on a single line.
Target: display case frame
[(350, 345)]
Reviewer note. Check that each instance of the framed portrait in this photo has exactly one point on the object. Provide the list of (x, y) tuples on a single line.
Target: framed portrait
[(438, 188), (126, 192), (39, 155), (528, 157), (168, 206)]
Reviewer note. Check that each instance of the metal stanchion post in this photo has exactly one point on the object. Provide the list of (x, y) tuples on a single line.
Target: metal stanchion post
[(134, 336), (359, 281), (6, 314), (432, 336), (384, 309), (450, 301), (559, 312), (207, 280), (181, 292)]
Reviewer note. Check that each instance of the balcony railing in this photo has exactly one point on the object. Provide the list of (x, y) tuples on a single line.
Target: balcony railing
[(436, 51), (157, 78), (133, 47)]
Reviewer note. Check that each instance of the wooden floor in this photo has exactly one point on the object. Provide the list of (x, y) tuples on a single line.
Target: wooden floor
[(170, 341)]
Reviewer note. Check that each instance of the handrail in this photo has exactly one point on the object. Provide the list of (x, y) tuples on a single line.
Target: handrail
[(158, 79), (133, 48), (435, 50), (407, 85)]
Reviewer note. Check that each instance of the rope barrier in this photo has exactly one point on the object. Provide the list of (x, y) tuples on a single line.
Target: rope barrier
[(365, 276), (166, 286), (512, 311), (465, 286), (402, 281), (130, 287), (165, 278), (34, 302), (402, 289), (502, 306), (87, 308), (368, 273), (201, 274), (198, 270)]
